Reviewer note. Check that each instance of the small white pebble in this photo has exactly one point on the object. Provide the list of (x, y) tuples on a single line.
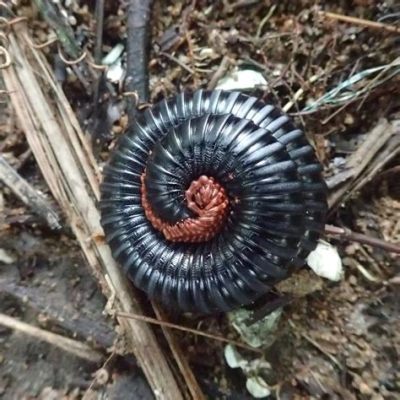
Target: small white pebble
[(325, 262)]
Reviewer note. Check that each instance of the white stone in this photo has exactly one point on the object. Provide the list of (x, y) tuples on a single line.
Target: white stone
[(326, 262), (115, 72)]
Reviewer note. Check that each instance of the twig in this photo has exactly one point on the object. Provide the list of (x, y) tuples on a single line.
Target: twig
[(99, 125), (185, 28), (219, 73), (265, 20), (298, 94), (74, 347), (347, 234), (385, 156), (79, 326), (60, 148), (186, 329), (183, 365), (176, 60), (99, 30), (360, 21), (360, 159), (137, 78), (98, 47), (363, 271), (28, 195)]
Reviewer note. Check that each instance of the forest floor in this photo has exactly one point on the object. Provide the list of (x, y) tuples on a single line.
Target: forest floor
[(336, 340)]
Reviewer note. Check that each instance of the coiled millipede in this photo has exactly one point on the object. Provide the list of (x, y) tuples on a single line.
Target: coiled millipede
[(210, 199)]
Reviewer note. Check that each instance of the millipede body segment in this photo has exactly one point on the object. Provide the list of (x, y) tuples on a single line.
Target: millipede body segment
[(210, 199)]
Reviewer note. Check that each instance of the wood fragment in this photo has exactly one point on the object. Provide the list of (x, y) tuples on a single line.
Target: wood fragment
[(359, 160), (386, 155), (63, 156), (28, 195), (72, 346)]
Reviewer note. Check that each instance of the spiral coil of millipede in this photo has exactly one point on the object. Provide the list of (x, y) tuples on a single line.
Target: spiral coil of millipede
[(210, 199)]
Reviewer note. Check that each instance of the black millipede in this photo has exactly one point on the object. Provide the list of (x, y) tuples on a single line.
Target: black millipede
[(210, 199)]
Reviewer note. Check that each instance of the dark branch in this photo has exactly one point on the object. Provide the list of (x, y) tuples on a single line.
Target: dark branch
[(347, 234), (137, 78)]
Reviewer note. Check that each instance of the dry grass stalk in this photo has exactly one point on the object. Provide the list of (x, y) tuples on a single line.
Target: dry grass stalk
[(61, 151)]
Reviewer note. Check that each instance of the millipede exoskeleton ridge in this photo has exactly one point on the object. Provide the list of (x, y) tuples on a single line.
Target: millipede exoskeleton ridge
[(210, 199)]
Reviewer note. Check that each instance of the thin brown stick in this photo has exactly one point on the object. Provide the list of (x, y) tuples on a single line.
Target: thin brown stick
[(80, 326), (57, 143), (182, 64), (72, 346), (347, 234), (181, 360), (219, 73), (186, 329), (360, 21)]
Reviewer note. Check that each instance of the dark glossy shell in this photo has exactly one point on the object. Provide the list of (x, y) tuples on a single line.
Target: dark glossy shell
[(273, 180)]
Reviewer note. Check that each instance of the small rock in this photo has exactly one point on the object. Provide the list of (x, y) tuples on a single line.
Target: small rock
[(326, 262), (115, 72)]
